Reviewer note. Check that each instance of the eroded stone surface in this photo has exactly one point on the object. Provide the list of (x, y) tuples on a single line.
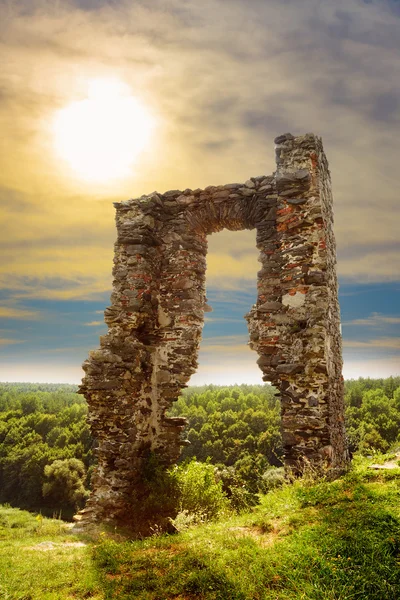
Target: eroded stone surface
[(157, 312)]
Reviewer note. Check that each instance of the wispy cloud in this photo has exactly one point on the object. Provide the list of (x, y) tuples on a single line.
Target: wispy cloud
[(374, 320), (374, 266), (224, 345), (79, 287), (378, 343), (229, 340), (9, 342), (8, 312), (375, 367), (95, 324)]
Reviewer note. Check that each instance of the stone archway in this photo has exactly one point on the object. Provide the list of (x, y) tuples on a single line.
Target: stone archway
[(157, 311)]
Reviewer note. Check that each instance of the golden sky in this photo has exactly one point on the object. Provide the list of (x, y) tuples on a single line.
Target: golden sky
[(220, 79)]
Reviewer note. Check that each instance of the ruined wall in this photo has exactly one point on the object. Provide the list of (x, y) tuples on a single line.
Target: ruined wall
[(298, 335), (157, 311)]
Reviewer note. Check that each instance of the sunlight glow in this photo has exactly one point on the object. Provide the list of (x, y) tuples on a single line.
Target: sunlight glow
[(102, 136)]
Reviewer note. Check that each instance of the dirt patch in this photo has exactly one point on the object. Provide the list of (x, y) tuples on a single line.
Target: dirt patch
[(263, 538), (47, 546), (390, 464)]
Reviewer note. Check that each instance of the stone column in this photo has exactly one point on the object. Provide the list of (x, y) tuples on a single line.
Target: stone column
[(310, 360), (147, 356), (181, 304), (118, 383)]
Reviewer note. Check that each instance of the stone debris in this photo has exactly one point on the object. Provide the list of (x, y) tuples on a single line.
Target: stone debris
[(157, 313)]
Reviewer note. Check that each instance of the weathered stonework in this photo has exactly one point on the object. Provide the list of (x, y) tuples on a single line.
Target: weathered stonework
[(156, 318)]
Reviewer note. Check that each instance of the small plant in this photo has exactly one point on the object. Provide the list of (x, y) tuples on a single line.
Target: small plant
[(240, 497), (273, 478), (199, 491), (184, 519)]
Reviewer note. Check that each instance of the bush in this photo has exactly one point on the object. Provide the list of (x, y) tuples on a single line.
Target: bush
[(273, 478), (64, 487), (240, 497), (201, 497)]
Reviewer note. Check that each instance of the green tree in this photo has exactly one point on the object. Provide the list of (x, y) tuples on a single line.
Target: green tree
[(64, 485)]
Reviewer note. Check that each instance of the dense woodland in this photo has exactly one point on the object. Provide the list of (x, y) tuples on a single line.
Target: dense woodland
[(46, 448)]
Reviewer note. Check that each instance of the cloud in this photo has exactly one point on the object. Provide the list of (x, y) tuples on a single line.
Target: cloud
[(225, 347), (225, 360), (95, 324), (8, 342), (374, 320), (232, 261), (46, 288), (241, 299), (378, 343), (226, 272), (57, 272), (228, 340), (7, 312), (227, 373), (37, 372)]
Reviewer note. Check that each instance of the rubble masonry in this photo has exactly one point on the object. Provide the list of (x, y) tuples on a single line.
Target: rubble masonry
[(157, 311)]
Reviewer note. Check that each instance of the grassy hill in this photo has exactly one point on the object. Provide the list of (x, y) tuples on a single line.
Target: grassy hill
[(307, 540)]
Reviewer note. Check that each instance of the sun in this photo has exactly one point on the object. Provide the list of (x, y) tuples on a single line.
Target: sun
[(102, 136)]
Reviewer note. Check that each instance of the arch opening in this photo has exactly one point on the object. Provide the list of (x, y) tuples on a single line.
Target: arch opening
[(231, 291), (233, 417)]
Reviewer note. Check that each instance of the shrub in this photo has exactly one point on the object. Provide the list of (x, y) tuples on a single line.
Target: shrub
[(64, 487), (201, 497), (273, 478), (240, 497)]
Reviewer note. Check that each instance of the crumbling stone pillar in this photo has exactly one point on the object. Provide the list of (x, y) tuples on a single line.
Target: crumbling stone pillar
[(156, 318), (295, 326)]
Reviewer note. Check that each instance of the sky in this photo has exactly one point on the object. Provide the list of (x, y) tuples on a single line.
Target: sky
[(215, 82)]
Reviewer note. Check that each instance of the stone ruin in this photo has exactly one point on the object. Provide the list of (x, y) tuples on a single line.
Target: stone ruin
[(157, 312)]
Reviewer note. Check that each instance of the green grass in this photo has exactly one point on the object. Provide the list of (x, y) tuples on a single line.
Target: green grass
[(29, 572), (306, 541)]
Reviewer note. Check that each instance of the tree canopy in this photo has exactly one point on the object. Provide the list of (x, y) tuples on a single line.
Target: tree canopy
[(46, 453)]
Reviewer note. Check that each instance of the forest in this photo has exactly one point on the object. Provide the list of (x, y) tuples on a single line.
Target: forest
[(46, 450)]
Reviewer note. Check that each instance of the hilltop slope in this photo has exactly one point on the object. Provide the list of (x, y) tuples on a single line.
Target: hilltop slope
[(316, 541)]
